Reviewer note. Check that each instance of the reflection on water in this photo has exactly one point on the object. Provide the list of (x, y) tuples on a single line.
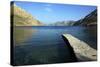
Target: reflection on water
[(40, 45), (21, 34), (91, 36)]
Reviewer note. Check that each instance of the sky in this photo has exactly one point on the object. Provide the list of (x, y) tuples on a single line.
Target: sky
[(49, 13)]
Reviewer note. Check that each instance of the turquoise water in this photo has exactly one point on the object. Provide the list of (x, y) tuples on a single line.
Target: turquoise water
[(44, 44)]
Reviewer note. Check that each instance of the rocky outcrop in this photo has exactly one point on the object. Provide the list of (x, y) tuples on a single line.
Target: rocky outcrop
[(82, 50), (22, 18), (88, 20)]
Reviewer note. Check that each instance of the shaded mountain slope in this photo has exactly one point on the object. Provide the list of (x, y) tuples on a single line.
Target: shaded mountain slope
[(90, 19)]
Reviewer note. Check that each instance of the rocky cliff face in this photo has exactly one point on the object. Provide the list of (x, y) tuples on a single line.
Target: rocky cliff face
[(88, 20), (22, 18)]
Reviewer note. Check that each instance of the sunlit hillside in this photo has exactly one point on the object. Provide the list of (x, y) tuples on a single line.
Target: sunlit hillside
[(22, 18)]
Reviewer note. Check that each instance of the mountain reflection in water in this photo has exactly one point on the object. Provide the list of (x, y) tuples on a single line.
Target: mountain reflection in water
[(22, 34)]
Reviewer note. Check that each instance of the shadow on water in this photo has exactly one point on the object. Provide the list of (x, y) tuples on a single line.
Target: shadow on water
[(92, 32), (72, 56), (90, 36), (29, 54)]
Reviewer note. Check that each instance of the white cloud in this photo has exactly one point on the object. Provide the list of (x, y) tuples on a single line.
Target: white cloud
[(48, 9)]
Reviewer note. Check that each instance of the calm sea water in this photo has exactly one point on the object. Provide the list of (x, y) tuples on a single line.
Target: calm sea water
[(44, 44)]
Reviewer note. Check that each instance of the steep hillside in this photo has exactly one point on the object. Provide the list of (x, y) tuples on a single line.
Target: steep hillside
[(22, 18), (90, 19)]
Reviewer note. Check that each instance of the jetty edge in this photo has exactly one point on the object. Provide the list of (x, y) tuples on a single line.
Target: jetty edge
[(81, 49)]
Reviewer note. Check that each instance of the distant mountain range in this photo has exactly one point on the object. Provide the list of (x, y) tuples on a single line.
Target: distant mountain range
[(22, 18), (63, 23), (90, 19)]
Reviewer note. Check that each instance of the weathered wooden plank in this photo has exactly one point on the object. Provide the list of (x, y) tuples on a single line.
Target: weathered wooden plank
[(82, 50)]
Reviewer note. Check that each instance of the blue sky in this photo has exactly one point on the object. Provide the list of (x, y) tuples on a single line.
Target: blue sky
[(49, 13)]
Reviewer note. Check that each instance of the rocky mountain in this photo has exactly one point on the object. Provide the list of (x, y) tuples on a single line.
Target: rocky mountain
[(90, 19), (22, 18)]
